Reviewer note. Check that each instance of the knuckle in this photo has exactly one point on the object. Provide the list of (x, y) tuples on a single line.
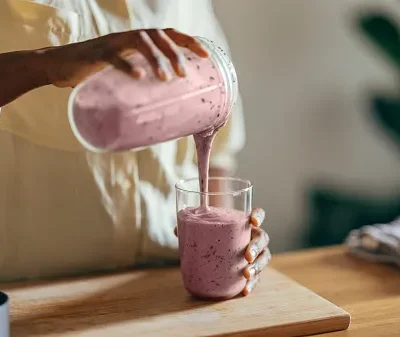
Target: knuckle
[(261, 232), (260, 263), (265, 259), (256, 246), (258, 231), (265, 236), (258, 279)]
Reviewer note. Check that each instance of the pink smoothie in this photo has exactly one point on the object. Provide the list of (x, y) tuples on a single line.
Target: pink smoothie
[(112, 112), (203, 150), (212, 242)]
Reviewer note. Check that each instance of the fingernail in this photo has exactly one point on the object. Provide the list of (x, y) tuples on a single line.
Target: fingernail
[(162, 74), (249, 288), (253, 253), (203, 51), (252, 271), (181, 70), (258, 217)]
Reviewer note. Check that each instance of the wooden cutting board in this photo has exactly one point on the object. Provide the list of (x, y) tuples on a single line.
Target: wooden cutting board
[(154, 303)]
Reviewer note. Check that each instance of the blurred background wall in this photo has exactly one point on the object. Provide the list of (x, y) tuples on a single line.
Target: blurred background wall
[(304, 77)]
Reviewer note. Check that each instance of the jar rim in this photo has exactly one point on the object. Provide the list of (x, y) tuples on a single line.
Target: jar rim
[(225, 64)]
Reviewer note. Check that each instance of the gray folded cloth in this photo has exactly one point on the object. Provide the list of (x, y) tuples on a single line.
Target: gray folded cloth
[(377, 243), (4, 316)]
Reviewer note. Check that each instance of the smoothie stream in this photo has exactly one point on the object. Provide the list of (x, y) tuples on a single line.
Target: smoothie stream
[(203, 149), (212, 240)]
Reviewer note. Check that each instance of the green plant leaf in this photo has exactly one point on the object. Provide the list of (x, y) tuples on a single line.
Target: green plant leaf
[(384, 33), (386, 112)]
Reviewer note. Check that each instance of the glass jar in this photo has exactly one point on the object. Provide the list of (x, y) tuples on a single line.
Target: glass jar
[(110, 111)]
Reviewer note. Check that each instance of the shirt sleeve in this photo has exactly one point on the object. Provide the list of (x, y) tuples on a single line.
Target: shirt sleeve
[(231, 138)]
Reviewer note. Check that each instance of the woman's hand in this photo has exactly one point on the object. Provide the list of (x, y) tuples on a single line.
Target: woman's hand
[(257, 252), (68, 65)]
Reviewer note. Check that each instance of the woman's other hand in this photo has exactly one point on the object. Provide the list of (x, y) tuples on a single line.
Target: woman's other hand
[(257, 253)]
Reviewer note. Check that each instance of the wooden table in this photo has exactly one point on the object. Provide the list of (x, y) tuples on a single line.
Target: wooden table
[(369, 292)]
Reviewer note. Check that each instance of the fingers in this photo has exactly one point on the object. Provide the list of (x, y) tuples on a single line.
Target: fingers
[(123, 65), (159, 47), (252, 271), (259, 243), (185, 41), (250, 285), (153, 54), (257, 217), (257, 266), (170, 50)]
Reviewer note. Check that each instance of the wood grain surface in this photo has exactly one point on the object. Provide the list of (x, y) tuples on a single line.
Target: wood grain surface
[(369, 292), (153, 303)]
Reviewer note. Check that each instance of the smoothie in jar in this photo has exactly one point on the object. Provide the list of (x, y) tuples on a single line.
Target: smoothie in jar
[(110, 111)]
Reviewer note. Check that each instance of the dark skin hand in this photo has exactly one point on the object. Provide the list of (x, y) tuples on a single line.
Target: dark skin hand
[(67, 66), (257, 253), (158, 46)]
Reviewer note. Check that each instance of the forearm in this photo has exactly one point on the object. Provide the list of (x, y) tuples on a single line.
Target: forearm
[(21, 72)]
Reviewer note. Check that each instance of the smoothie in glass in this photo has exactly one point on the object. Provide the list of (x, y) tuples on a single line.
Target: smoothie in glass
[(212, 240)]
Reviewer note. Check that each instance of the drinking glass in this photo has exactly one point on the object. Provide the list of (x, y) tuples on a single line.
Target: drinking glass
[(213, 237)]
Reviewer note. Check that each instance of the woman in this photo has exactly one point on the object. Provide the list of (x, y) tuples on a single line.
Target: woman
[(64, 211)]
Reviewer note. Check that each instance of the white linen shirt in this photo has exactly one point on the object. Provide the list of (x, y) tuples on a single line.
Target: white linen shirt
[(67, 211)]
